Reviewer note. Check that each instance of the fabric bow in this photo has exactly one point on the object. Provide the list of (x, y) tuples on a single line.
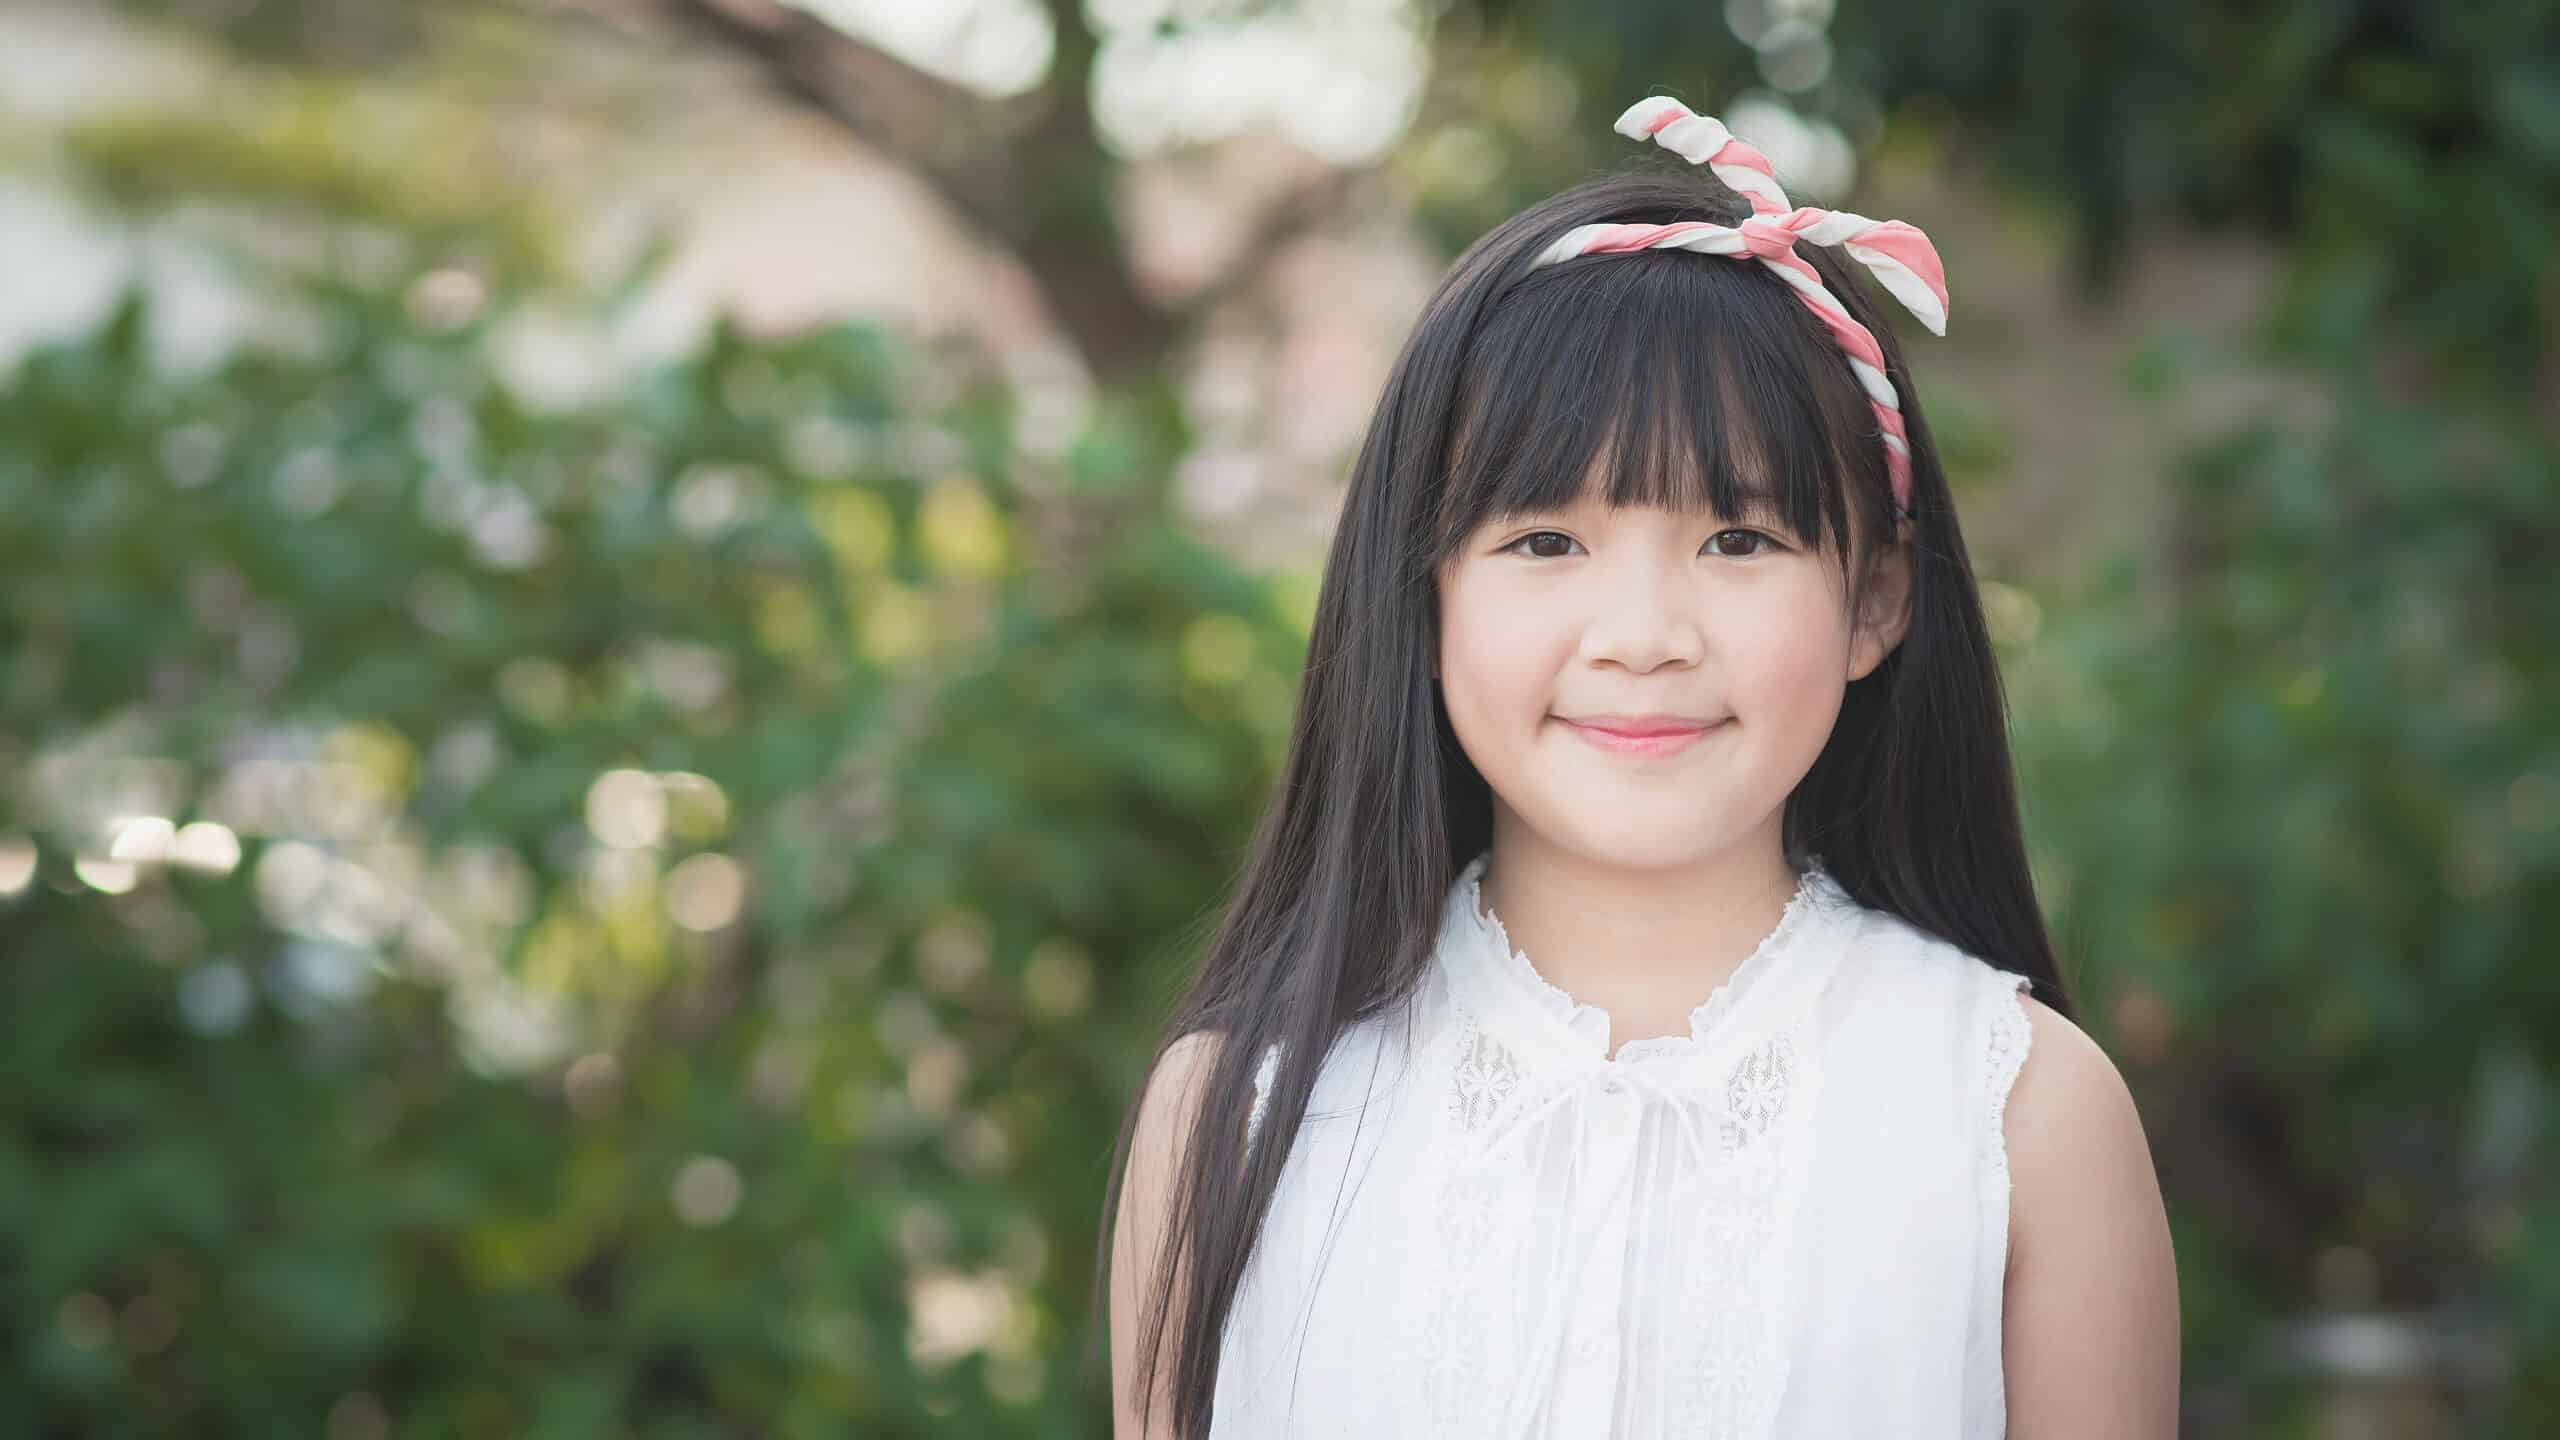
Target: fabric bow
[(1899, 255)]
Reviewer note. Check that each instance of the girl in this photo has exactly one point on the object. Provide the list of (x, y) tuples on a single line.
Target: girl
[(1622, 1025)]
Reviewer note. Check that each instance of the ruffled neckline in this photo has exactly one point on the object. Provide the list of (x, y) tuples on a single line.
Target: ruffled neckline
[(1816, 892)]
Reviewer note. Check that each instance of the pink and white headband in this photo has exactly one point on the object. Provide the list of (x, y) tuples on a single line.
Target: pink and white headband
[(1900, 256)]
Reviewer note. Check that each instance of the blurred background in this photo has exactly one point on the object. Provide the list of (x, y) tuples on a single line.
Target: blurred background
[(637, 636)]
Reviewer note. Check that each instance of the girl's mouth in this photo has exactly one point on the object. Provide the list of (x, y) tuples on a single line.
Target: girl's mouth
[(1648, 741)]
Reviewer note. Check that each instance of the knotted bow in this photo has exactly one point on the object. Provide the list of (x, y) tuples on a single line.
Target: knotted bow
[(1901, 257)]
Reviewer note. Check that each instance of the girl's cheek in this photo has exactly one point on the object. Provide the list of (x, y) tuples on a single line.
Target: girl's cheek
[(1497, 642), (1800, 661)]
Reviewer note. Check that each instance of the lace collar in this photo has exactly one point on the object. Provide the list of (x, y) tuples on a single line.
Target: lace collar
[(1475, 942)]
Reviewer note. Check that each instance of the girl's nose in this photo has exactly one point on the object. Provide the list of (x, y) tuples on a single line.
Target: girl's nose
[(1644, 619)]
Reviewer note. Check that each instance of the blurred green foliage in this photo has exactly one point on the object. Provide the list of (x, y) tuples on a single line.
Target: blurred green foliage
[(479, 690), (2291, 761)]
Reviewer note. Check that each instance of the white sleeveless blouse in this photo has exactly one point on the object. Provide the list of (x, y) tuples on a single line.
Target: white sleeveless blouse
[(1790, 1222)]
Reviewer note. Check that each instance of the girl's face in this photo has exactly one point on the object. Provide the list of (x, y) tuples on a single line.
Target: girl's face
[(1738, 631)]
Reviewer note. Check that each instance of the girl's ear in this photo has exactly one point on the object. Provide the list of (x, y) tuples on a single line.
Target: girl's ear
[(1884, 608)]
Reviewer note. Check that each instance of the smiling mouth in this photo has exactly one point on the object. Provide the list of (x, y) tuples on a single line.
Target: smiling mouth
[(1657, 742)]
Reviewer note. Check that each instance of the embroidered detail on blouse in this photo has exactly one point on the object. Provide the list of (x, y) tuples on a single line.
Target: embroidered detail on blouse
[(1730, 1379), (1486, 1075), (1756, 1093), (1452, 1345)]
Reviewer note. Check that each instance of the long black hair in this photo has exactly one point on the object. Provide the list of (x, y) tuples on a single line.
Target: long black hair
[(1689, 378)]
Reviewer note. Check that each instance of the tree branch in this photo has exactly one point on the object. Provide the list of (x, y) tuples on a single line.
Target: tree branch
[(1031, 176), (1280, 225), (921, 120)]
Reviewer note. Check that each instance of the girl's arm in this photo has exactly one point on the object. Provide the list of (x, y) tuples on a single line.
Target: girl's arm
[(1155, 1158), (2089, 1336)]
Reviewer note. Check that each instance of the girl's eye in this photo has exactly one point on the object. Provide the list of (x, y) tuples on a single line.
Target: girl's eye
[(1760, 544), (1539, 535), (1754, 543)]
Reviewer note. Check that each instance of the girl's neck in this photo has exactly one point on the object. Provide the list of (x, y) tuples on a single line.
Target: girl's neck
[(1645, 945)]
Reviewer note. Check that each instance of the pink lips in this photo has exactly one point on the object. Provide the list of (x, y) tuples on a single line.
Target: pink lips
[(1644, 735)]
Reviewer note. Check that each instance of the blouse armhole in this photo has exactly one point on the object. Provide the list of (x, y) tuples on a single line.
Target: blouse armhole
[(2001, 1048), (2004, 1054)]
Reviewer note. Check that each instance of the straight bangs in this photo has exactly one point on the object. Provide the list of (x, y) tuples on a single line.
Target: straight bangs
[(1665, 380)]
